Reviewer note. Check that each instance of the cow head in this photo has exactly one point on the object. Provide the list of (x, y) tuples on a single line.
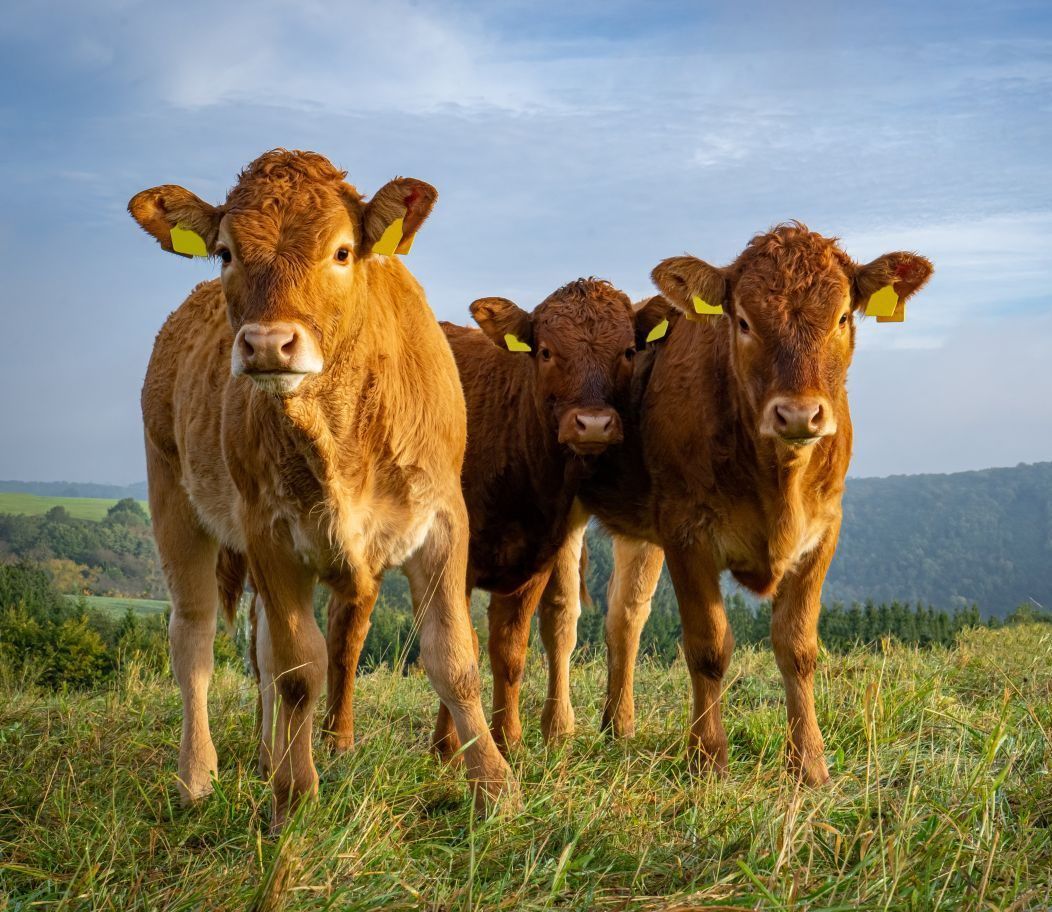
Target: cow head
[(789, 306), (581, 341), (292, 239)]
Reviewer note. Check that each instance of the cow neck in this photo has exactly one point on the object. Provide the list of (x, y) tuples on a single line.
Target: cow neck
[(547, 460), (334, 423), (778, 470)]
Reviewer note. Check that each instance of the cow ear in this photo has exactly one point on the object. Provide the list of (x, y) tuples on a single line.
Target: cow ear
[(691, 285), (905, 273), (394, 215), (651, 317), (507, 325), (178, 220)]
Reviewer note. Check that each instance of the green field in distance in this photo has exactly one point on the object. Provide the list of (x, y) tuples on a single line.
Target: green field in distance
[(77, 507), (117, 606)]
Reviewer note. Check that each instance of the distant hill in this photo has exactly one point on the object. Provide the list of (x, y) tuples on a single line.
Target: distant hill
[(76, 489), (947, 540), (983, 537), (980, 538)]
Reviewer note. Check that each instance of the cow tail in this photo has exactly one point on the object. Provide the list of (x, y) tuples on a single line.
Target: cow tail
[(231, 567), (586, 597)]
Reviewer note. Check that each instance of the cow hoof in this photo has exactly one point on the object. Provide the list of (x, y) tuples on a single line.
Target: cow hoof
[(497, 794), (341, 744), (814, 772), (557, 724), (703, 762), (447, 751), (618, 726), (190, 795), (196, 775), (507, 742)]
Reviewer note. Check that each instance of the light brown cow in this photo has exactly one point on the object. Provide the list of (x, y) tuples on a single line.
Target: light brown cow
[(303, 415), (743, 446)]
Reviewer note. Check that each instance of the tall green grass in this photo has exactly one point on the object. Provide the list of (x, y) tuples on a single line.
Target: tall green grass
[(941, 798)]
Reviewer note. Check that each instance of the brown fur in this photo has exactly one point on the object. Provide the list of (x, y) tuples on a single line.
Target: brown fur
[(352, 472), (520, 481), (701, 476)]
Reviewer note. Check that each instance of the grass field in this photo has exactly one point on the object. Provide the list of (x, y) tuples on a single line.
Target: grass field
[(34, 505), (118, 606), (941, 799)]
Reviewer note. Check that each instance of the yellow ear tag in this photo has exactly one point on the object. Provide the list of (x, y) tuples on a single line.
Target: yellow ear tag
[(882, 303), (188, 242), (704, 307), (658, 332), (391, 238), (899, 316), (515, 344)]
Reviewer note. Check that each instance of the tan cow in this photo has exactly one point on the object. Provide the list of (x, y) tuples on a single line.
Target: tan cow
[(303, 416), (743, 444)]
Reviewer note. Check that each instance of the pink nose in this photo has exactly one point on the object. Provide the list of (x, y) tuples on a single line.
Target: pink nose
[(266, 347), (590, 430), (799, 418), (593, 428)]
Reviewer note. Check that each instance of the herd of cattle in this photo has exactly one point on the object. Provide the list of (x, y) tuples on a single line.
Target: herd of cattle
[(306, 418)]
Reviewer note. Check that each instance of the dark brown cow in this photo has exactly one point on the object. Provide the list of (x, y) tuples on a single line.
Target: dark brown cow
[(535, 423), (303, 415), (744, 442)]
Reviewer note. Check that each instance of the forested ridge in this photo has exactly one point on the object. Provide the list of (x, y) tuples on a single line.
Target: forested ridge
[(920, 557)]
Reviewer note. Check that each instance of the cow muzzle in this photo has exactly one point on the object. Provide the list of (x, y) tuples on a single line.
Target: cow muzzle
[(277, 357), (589, 431), (798, 420)]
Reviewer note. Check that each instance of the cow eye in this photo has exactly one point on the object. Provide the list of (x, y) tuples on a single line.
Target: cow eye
[(843, 319), (546, 354), (224, 255), (343, 255), (743, 325), (630, 353)]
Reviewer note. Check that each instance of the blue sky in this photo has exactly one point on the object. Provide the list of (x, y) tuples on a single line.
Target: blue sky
[(565, 140)]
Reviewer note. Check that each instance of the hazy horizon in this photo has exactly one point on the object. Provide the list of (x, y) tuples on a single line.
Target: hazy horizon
[(850, 476), (597, 139)]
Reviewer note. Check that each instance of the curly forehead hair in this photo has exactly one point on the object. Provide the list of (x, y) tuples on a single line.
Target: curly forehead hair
[(791, 258), (280, 175), (584, 302)]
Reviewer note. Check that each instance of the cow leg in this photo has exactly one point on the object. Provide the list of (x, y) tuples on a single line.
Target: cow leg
[(559, 609), (270, 744), (349, 614), (253, 658), (445, 742), (437, 574), (188, 557), (707, 646), (295, 650), (509, 636), (637, 568), (794, 637)]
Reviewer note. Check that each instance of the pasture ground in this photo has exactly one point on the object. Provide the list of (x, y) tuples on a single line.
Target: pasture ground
[(35, 505), (941, 798)]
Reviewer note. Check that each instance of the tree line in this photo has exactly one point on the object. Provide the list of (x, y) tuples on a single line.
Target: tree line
[(56, 642)]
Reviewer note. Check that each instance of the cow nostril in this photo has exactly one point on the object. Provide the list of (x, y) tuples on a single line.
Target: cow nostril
[(246, 347), (816, 418), (605, 422), (289, 346), (582, 424), (780, 420)]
